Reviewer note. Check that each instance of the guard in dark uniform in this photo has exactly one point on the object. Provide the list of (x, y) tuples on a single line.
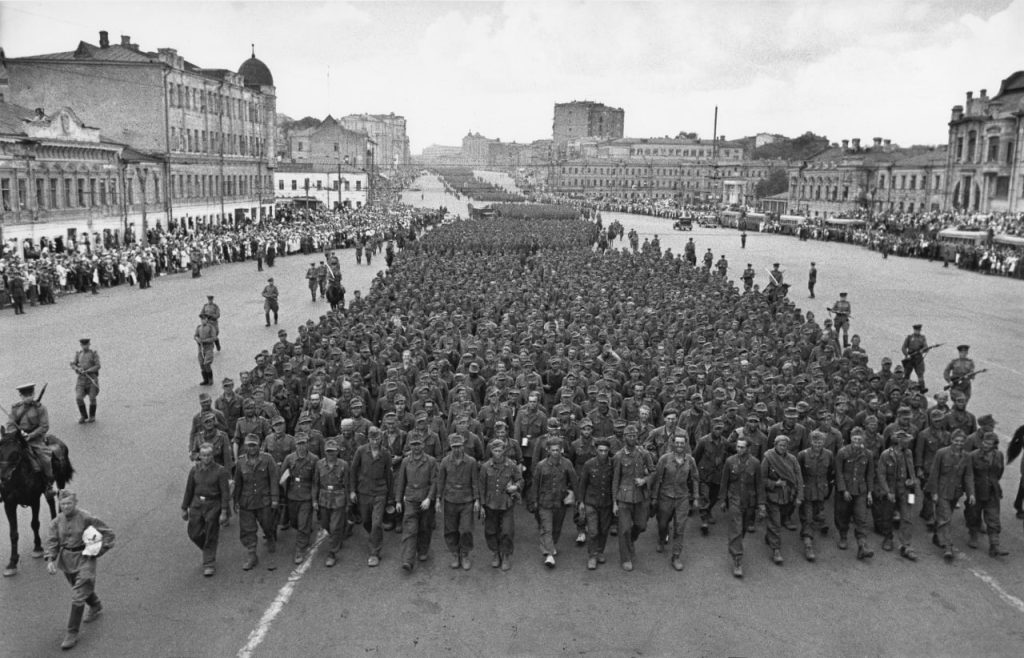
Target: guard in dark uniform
[(206, 338), (30, 416), (958, 372), (87, 364), (812, 279), (842, 309), (212, 311), (914, 347), (270, 294)]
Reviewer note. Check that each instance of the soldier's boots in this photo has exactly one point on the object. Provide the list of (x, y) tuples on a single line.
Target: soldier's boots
[(506, 562), (887, 544), (94, 610), (843, 543), (704, 528), (776, 556), (677, 563), (250, 562), (591, 563), (83, 413), (809, 549), (496, 560), (466, 564), (581, 538), (972, 540), (995, 550), (948, 554), (456, 561), (74, 624), (737, 567), (863, 552)]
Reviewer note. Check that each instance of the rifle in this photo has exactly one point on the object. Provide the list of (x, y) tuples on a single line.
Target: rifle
[(848, 316), (81, 372), (957, 381), (771, 276), (909, 358)]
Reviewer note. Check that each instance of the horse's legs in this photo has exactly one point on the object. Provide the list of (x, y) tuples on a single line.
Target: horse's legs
[(11, 510), (37, 543), (52, 506)]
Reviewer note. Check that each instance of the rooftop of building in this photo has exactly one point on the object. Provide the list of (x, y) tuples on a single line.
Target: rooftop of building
[(13, 117), (252, 70)]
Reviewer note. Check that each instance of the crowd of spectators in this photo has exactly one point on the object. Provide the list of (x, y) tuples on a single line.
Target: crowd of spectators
[(43, 275)]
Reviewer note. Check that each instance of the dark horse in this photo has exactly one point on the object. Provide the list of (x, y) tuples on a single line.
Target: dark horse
[(336, 294), (21, 484)]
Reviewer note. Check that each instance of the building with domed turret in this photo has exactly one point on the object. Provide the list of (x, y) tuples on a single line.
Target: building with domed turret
[(201, 141)]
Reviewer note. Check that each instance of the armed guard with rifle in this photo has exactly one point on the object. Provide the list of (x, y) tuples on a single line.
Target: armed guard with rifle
[(87, 364), (915, 347), (960, 372)]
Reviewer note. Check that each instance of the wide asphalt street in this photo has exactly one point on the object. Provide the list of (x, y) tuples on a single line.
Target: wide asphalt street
[(132, 463)]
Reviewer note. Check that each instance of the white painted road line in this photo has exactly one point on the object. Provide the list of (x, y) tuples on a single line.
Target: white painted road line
[(283, 595), (1010, 599)]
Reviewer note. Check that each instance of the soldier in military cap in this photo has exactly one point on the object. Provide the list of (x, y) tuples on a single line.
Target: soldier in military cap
[(212, 311), (206, 339), (270, 305), (458, 500), (206, 503), (297, 472), (415, 491), (372, 475), (897, 484), (331, 480), (842, 310), (959, 371), (501, 485), (31, 417), (256, 500), (674, 490), (87, 364)]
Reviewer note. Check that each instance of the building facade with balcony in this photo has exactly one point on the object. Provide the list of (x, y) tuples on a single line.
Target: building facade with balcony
[(985, 169), (206, 135), (60, 182)]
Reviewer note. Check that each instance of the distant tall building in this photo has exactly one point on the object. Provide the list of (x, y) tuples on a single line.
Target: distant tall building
[(327, 143), (205, 136), (586, 119), (390, 143)]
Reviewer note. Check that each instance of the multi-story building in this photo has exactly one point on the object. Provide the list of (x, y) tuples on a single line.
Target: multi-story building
[(437, 154), (476, 150), (211, 130), (681, 169), (60, 182), (310, 183), (327, 143), (582, 120), (985, 170), (387, 133), (847, 178)]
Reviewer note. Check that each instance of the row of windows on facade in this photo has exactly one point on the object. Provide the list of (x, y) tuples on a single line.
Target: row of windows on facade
[(208, 100), (973, 154), (640, 171), (686, 153), (193, 140), (898, 182), (319, 185), (636, 183), (56, 193)]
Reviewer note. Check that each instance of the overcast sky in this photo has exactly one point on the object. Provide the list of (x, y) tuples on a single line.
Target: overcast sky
[(853, 68)]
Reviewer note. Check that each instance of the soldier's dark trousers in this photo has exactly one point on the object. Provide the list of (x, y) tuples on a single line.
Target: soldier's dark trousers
[(599, 523), (204, 528), (708, 498), (987, 511), (300, 513), (371, 511), (458, 527), (777, 513), (551, 521), (672, 516), (886, 522), (250, 521), (943, 518), (857, 510), (632, 521), (500, 530), (417, 528), (812, 517), (334, 521), (739, 519)]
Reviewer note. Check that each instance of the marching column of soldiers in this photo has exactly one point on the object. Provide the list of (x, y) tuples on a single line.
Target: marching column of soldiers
[(509, 364)]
